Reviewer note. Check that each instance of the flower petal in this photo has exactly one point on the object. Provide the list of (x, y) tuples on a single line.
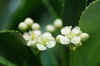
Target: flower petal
[(41, 47), (66, 30), (76, 40), (51, 44), (64, 40)]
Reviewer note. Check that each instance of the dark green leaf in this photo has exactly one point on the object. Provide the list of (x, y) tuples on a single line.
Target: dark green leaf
[(56, 56), (56, 7), (18, 10), (7, 7), (72, 11), (5, 62), (88, 54), (12, 47)]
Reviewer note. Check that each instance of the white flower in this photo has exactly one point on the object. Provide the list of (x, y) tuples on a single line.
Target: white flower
[(26, 36), (51, 44), (76, 40), (29, 21), (58, 37), (41, 47), (22, 26), (84, 36), (31, 43), (50, 28), (58, 23), (35, 26), (47, 36), (71, 36), (64, 40), (46, 40), (76, 31), (66, 30), (32, 37), (35, 34)]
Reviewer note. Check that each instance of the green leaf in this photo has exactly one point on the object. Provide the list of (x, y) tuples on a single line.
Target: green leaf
[(26, 8), (5, 62), (88, 54), (89, 1), (56, 56), (18, 11), (12, 47), (73, 10), (7, 7), (56, 7)]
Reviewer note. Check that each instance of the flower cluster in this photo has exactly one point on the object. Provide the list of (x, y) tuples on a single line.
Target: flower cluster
[(27, 24), (34, 37), (71, 36), (42, 41)]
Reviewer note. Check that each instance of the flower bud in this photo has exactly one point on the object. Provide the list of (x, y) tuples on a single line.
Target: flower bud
[(29, 21), (22, 26), (84, 36), (50, 28), (58, 23), (35, 26)]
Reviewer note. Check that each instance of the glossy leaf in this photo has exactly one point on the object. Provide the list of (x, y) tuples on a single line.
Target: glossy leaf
[(12, 47), (88, 54)]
